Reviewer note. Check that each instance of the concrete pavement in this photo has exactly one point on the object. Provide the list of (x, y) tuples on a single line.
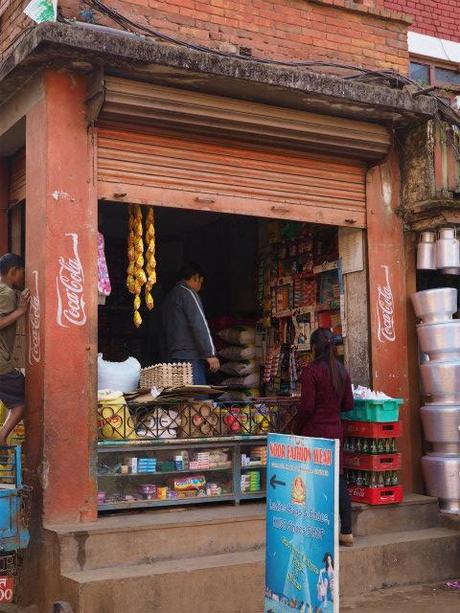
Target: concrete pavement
[(411, 599)]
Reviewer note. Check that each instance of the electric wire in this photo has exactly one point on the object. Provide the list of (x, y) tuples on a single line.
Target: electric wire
[(397, 78)]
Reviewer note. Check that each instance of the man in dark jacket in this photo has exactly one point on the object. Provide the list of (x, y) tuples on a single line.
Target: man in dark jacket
[(185, 330)]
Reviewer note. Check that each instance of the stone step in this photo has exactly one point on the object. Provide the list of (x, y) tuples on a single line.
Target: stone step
[(224, 583), (151, 537), (416, 512), (159, 535), (399, 558), (234, 582)]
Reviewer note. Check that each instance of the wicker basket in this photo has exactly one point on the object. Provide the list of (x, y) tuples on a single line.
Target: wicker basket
[(162, 376)]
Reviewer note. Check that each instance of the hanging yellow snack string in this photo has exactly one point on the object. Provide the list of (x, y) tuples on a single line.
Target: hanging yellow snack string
[(140, 278), (130, 279), (150, 261)]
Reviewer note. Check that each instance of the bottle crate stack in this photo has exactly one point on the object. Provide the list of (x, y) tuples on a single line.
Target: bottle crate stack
[(371, 458)]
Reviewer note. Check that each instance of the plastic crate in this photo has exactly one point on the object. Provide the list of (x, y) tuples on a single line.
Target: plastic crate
[(376, 495), (366, 461), (374, 410), (368, 429)]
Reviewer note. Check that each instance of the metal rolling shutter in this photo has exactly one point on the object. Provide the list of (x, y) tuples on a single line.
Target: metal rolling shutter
[(142, 165)]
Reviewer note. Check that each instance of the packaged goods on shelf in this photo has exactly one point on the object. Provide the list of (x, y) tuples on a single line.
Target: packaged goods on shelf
[(200, 418), (114, 419)]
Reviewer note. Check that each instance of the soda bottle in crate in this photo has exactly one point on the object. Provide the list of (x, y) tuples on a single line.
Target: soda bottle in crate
[(374, 487)]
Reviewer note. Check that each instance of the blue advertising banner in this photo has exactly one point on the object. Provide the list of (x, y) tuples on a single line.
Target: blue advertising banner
[(302, 525)]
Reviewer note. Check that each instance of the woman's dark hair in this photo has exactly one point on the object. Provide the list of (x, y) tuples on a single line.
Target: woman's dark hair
[(326, 556), (322, 341)]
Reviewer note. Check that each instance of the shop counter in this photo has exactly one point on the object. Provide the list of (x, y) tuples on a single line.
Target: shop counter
[(187, 451)]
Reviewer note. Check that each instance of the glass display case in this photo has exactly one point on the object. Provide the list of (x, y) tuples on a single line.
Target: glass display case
[(173, 473)]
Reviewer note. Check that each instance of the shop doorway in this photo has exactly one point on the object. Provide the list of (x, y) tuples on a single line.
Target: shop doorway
[(281, 278), (268, 285)]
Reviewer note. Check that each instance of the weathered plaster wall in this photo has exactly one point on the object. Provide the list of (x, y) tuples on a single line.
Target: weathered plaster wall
[(417, 164)]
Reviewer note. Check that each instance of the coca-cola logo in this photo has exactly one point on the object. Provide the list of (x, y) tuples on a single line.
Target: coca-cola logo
[(34, 322), (71, 309), (353, 460), (357, 491), (385, 310)]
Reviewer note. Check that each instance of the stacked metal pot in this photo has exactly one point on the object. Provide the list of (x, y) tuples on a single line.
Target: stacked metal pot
[(439, 339), (439, 251)]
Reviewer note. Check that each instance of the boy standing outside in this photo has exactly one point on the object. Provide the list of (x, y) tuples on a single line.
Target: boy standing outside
[(13, 306)]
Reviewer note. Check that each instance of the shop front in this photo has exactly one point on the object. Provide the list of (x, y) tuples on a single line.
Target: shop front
[(275, 203)]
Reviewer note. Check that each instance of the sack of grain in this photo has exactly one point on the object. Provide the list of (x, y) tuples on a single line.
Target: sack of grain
[(238, 335), (251, 380), (239, 369), (237, 354)]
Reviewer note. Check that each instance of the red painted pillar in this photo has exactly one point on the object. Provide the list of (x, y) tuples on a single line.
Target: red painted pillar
[(388, 296), (3, 206), (61, 247)]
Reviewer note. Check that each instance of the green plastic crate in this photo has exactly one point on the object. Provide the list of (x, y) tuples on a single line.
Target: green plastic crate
[(374, 410)]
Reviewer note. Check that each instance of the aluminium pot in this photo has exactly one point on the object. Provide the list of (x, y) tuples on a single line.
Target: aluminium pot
[(447, 251), (441, 381), (441, 342), (442, 479), (426, 256), (441, 426), (435, 305)]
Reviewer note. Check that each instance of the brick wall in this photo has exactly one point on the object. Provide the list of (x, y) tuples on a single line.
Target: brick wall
[(358, 32), (439, 18), (13, 24)]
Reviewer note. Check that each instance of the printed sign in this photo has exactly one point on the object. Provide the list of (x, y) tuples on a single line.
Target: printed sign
[(6, 589), (302, 525)]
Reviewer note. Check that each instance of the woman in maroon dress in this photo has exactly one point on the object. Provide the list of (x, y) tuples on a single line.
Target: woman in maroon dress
[(326, 392)]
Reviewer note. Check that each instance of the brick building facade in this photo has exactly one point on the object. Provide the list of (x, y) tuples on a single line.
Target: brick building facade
[(94, 107), (438, 18), (364, 34)]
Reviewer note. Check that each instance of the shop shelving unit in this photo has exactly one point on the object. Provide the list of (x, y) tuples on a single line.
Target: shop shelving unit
[(236, 437)]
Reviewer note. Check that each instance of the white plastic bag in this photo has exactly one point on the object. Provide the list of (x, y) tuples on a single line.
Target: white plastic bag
[(120, 376)]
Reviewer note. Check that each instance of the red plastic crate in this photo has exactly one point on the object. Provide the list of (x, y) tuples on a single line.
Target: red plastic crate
[(376, 495), (368, 429), (374, 462)]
